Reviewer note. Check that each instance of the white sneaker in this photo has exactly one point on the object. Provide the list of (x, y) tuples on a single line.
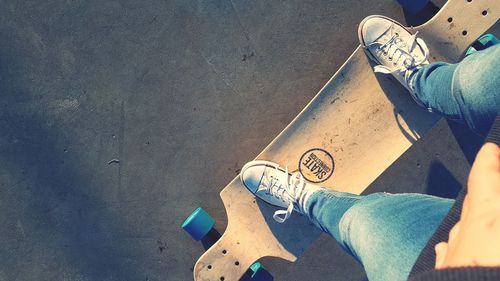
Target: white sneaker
[(277, 187), (393, 48)]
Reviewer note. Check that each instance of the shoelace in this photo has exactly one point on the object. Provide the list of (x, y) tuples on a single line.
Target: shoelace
[(285, 187), (395, 48)]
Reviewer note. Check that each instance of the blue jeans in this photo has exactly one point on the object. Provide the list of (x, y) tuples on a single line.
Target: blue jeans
[(384, 232), (467, 92), (387, 232)]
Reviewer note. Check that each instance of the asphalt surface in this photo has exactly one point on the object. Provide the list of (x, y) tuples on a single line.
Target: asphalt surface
[(118, 118)]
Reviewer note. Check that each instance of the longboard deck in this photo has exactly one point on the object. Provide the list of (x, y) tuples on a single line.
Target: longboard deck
[(355, 128)]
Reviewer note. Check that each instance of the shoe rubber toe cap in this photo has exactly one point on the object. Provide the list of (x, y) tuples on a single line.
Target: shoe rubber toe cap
[(372, 28), (252, 176)]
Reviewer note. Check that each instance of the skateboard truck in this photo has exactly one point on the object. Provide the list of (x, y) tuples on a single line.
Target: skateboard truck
[(200, 225)]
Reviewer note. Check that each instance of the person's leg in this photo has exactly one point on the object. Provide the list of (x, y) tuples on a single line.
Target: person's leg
[(385, 232), (468, 91)]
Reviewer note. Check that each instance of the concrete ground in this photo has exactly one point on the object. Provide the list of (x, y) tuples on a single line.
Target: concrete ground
[(118, 118)]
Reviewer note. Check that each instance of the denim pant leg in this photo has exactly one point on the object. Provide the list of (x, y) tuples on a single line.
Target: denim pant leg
[(384, 232), (468, 91)]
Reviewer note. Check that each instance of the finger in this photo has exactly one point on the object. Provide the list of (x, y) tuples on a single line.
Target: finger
[(486, 164), (441, 250), (488, 153)]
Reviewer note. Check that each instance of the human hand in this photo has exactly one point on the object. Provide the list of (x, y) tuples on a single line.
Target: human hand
[(475, 239)]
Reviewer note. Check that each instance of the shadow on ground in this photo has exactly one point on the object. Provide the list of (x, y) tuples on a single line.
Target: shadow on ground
[(51, 216)]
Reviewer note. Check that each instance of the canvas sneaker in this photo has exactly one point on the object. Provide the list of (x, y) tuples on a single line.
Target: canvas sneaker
[(278, 187), (393, 48)]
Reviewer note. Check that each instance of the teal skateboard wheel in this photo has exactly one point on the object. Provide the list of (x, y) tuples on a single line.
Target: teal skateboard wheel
[(488, 40), (198, 224), (482, 43), (257, 272)]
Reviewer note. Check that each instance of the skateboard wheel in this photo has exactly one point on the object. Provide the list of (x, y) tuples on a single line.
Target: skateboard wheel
[(198, 224), (482, 43), (413, 6), (259, 273)]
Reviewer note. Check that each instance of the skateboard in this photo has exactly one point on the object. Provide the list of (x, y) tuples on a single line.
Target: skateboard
[(352, 130)]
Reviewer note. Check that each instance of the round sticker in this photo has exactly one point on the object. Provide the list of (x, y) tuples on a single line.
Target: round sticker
[(316, 165)]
